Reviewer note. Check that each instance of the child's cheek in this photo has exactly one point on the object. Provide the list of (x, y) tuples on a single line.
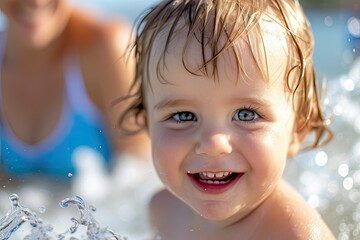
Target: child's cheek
[(168, 153), (270, 147)]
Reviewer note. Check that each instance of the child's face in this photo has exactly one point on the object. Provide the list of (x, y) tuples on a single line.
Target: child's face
[(221, 146)]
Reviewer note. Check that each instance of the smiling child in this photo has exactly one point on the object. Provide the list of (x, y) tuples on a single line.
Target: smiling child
[(228, 93)]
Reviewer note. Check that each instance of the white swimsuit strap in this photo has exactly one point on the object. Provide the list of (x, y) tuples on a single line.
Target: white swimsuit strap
[(76, 89)]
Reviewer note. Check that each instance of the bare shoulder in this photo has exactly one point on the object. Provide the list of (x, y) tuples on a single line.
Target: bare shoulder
[(163, 204), (168, 215), (106, 64), (102, 45), (97, 36), (290, 217)]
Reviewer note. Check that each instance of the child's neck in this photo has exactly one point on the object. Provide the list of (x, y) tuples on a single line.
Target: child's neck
[(248, 224)]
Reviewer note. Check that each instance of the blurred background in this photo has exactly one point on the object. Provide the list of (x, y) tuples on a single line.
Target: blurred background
[(328, 178)]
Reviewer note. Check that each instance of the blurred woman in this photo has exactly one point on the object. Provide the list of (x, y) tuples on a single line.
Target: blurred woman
[(60, 72)]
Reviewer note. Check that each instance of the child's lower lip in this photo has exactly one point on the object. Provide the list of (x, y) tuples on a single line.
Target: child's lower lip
[(214, 188)]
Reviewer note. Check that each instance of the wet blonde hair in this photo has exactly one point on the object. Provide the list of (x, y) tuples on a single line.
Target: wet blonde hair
[(208, 22)]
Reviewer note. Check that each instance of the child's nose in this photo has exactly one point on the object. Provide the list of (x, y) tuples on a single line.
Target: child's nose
[(214, 145)]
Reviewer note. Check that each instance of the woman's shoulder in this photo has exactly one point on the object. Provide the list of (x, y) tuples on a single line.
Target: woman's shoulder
[(90, 33), (290, 217), (102, 48)]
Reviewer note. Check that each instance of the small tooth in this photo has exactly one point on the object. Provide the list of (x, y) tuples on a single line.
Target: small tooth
[(226, 174), (219, 175), (216, 182), (211, 175)]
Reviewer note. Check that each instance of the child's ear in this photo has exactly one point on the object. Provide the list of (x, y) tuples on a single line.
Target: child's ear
[(299, 134)]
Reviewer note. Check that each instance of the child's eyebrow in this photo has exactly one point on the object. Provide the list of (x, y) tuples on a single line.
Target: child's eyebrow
[(255, 100), (168, 103)]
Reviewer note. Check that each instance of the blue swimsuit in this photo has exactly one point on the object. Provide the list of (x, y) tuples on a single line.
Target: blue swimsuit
[(81, 124)]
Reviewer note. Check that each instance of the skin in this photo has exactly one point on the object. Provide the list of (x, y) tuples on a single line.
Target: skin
[(240, 125), (40, 36)]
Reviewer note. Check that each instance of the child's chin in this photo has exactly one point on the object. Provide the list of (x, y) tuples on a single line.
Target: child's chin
[(215, 211)]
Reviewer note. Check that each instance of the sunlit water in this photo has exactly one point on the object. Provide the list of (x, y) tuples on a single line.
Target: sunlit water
[(120, 198), (328, 178), (19, 215)]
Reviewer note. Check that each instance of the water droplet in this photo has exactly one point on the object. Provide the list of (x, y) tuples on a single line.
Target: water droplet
[(355, 198), (313, 200), (42, 209), (326, 101), (328, 21), (353, 26), (348, 84), (348, 183), (70, 174), (343, 236), (343, 170), (338, 110), (321, 158)]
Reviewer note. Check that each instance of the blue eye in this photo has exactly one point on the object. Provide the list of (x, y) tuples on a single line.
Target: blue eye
[(245, 115), (184, 117)]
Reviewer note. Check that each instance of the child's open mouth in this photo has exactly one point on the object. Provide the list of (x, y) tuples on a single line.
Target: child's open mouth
[(214, 182)]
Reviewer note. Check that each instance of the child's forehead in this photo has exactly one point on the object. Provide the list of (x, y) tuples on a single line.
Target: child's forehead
[(265, 48)]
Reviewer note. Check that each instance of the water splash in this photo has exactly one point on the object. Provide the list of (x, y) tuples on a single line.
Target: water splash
[(18, 215), (94, 231), (41, 232)]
